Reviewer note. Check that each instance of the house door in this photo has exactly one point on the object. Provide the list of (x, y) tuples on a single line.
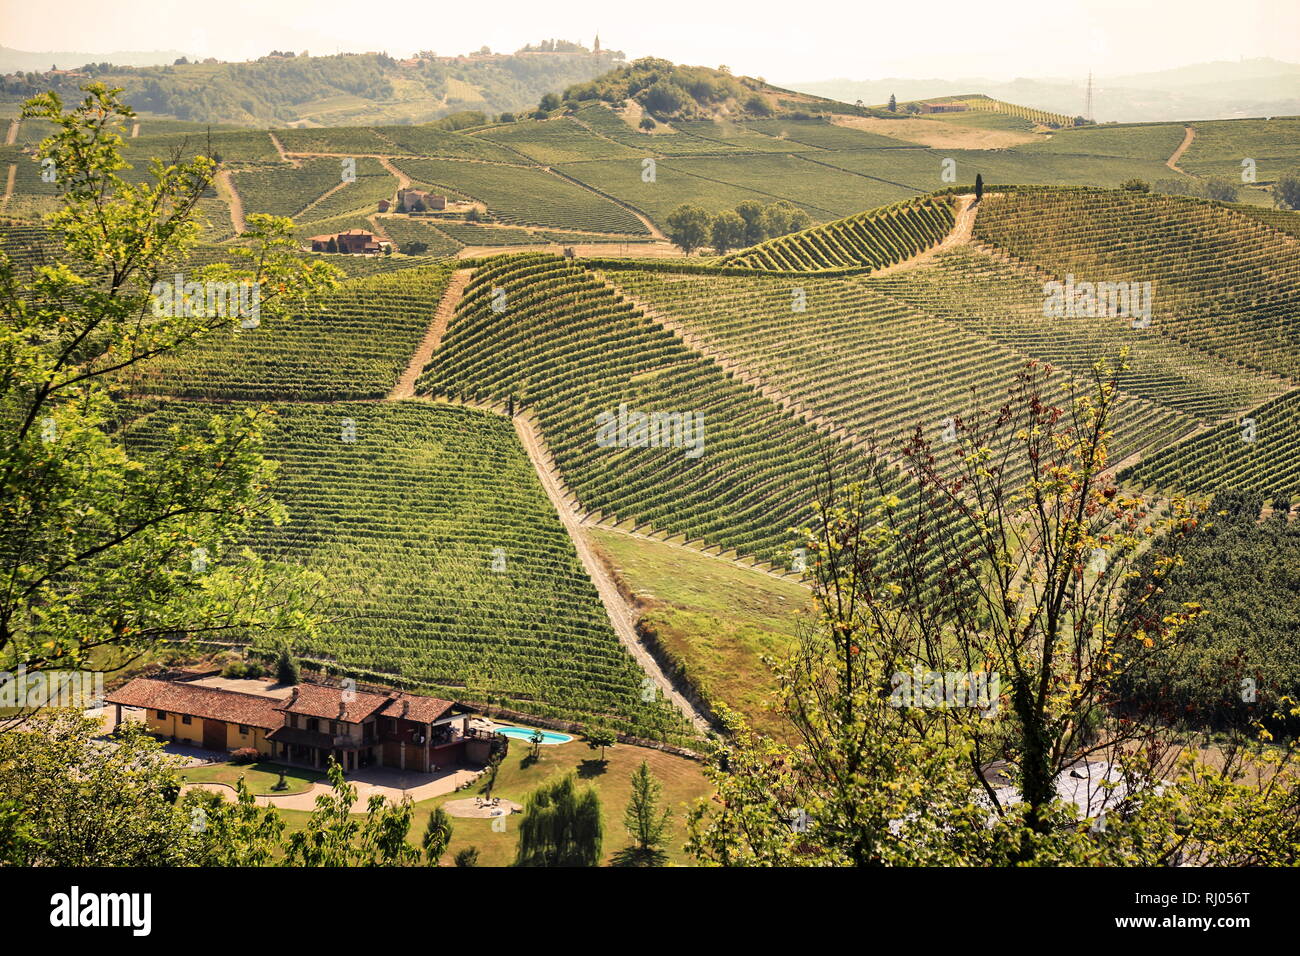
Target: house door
[(214, 734)]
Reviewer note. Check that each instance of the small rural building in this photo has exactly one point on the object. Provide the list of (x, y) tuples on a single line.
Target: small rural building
[(307, 724), (384, 205), (409, 200), (351, 242), (944, 107)]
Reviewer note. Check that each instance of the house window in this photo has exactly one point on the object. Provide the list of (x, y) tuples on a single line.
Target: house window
[(185, 718), (313, 724), (243, 730), (333, 731), (161, 714), (293, 720)]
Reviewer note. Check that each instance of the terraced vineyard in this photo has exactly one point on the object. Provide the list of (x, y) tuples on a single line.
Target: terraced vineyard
[(1223, 282), (570, 348), (559, 140), (869, 240), (354, 344), (1260, 453), (404, 522), (991, 297), (864, 360), (985, 104)]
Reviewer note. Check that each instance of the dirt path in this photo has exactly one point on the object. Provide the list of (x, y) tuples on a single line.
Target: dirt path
[(1172, 162), (279, 148), (620, 615), (405, 387), (10, 179), (403, 180), (11, 137), (135, 130), (226, 185), (960, 234)]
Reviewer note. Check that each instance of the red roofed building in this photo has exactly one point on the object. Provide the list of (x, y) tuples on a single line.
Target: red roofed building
[(352, 242), (309, 723)]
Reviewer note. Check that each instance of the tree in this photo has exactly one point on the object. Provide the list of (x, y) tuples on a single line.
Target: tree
[(1001, 570), (437, 835), (332, 245), (105, 550), (893, 104), (335, 836), (416, 247), (727, 232), (232, 834), (644, 821), (783, 217), (688, 227), (286, 667), (85, 804), (560, 826), (647, 122), (537, 736), (550, 102), (467, 856), (751, 211), (600, 738), (1136, 186), (1286, 192)]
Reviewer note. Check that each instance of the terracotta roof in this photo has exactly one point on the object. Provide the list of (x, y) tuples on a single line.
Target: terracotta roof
[(424, 710), (211, 703), (317, 700)]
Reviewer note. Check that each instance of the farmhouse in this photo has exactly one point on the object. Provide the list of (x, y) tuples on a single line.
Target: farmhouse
[(307, 724), (944, 107), (417, 200), (351, 242)]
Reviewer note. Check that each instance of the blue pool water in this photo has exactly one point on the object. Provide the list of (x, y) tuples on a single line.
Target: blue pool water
[(523, 733)]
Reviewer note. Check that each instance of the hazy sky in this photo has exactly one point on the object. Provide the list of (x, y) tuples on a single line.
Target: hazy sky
[(777, 39)]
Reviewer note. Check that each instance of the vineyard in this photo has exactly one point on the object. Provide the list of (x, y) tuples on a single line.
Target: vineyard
[(985, 104), (569, 348), (862, 359), (1221, 145), (1223, 282), (353, 344), (991, 297), (525, 195), (445, 562), (872, 239), (1259, 453)]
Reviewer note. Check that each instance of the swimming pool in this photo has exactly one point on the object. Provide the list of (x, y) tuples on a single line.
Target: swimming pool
[(523, 733)]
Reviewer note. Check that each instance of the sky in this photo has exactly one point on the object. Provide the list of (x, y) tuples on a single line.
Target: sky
[(781, 41)]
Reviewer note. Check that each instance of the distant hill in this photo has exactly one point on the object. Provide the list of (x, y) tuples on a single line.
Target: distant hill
[(340, 90), (1222, 90), (21, 61)]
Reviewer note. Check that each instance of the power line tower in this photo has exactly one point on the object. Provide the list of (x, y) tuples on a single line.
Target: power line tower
[(1087, 106)]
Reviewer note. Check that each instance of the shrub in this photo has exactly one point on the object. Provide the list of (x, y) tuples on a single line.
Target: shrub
[(648, 122), (467, 856), (245, 755)]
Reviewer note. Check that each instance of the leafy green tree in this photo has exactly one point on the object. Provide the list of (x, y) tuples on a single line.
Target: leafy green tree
[(467, 856), (727, 232), (103, 549), (437, 834), (893, 104), (688, 227), (979, 186), (560, 826), (751, 211), (644, 821), (783, 217), (335, 836), (648, 122), (550, 102), (536, 737), (84, 804), (601, 738), (233, 834), (1286, 191)]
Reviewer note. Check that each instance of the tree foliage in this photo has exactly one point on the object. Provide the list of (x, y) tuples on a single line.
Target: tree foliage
[(561, 826)]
